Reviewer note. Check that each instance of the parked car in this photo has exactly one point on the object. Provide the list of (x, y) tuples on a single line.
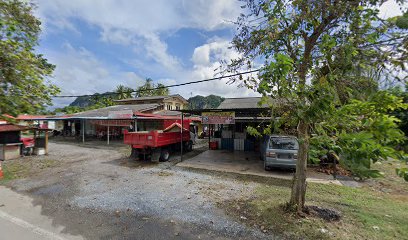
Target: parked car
[(280, 151)]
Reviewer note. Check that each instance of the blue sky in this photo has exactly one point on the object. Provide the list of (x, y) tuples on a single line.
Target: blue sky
[(98, 44)]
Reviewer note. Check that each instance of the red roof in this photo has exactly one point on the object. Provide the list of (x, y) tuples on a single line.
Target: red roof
[(12, 128), (8, 116), (30, 117)]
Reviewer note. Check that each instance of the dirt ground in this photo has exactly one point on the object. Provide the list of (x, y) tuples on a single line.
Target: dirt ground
[(98, 193)]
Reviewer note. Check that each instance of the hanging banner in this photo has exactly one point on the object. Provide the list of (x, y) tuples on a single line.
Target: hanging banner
[(124, 114), (218, 117)]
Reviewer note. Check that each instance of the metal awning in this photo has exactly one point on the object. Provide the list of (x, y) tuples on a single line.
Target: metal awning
[(241, 114)]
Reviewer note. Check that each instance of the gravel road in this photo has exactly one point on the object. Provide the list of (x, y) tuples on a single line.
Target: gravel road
[(100, 194)]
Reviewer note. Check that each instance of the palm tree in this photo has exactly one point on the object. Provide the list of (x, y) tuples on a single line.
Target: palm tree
[(123, 92)]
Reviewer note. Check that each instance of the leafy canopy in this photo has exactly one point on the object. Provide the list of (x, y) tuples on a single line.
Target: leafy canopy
[(314, 54), (23, 72)]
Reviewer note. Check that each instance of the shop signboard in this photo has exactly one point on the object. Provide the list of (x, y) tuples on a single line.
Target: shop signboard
[(218, 118)]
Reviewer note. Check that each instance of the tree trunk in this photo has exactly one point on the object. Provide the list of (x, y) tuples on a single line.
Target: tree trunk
[(297, 199)]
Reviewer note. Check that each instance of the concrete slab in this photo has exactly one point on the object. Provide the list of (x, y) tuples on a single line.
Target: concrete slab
[(20, 219), (247, 163)]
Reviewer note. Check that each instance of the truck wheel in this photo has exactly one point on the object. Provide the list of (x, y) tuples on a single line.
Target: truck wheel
[(134, 153), (164, 155), (189, 146)]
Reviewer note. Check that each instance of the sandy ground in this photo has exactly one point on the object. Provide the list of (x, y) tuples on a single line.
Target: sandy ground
[(97, 193)]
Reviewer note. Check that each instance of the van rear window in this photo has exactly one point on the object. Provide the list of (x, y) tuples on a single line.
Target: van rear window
[(284, 143)]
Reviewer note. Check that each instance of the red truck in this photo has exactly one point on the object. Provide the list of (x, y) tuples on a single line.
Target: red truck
[(159, 144)]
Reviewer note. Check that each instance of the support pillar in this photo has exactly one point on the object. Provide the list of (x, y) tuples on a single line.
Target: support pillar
[(181, 141), (209, 137), (46, 143), (83, 130), (108, 134)]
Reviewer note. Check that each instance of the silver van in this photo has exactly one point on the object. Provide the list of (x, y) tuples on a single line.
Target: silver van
[(280, 151)]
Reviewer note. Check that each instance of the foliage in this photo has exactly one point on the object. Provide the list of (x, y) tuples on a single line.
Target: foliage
[(401, 114), (402, 172), (315, 54), (201, 102), (23, 88), (123, 92), (362, 132), (149, 89)]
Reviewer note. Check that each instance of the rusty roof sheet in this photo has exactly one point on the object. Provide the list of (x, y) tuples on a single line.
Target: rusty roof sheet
[(12, 128)]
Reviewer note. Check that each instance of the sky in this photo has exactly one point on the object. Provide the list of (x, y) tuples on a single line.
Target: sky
[(99, 44)]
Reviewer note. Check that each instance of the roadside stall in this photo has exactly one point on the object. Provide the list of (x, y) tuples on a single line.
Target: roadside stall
[(10, 143), (41, 141)]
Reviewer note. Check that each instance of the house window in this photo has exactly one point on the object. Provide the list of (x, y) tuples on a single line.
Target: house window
[(177, 107)]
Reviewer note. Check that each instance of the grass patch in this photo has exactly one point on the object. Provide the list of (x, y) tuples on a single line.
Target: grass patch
[(367, 212), (13, 170), (25, 167)]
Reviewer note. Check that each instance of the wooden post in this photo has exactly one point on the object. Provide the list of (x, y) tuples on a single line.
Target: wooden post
[(108, 134), (46, 143), (83, 130), (181, 131), (209, 137)]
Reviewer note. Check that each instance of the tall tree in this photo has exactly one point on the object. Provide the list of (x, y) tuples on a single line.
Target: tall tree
[(149, 89), (314, 53), (123, 92), (23, 72)]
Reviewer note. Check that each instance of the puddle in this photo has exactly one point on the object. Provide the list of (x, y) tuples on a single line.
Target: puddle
[(49, 190)]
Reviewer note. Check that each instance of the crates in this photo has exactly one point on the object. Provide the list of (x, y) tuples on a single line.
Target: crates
[(39, 151), (218, 140), (214, 145), (239, 144)]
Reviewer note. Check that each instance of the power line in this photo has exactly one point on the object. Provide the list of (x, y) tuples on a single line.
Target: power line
[(150, 89)]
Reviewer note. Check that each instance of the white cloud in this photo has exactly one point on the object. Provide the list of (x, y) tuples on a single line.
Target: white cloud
[(390, 9), (139, 25), (125, 22), (79, 72), (206, 59)]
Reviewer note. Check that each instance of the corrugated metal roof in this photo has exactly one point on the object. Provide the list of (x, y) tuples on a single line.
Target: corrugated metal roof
[(30, 117), (168, 113), (104, 112), (241, 103), (12, 128), (143, 98), (151, 98)]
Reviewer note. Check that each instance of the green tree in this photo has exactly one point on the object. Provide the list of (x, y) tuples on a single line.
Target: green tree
[(362, 132), (401, 114), (161, 90), (313, 53), (123, 92), (149, 89), (23, 72)]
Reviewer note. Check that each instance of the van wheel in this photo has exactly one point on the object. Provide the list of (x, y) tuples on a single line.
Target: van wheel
[(267, 168), (164, 155)]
